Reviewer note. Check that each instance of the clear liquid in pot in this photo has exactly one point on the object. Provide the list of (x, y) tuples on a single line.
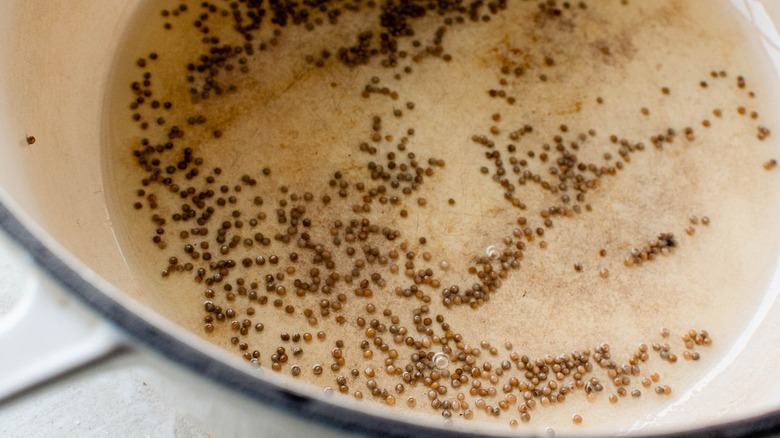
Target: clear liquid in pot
[(519, 156)]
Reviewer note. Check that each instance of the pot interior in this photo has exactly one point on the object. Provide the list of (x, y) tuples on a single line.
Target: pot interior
[(66, 82)]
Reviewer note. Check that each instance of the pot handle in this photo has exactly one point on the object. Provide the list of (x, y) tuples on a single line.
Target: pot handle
[(47, 333)]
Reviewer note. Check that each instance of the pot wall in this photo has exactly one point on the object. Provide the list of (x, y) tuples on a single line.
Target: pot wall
[(56, 59)]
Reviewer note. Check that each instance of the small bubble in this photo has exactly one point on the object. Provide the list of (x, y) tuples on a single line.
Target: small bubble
[(441, 361)]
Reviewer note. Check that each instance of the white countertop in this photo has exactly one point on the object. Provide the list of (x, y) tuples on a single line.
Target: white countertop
[(110, 399)]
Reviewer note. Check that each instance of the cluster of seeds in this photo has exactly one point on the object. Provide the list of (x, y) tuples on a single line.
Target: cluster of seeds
[(663, 244), (321, 260)]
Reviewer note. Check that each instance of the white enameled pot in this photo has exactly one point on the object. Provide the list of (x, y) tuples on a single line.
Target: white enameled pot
[(55, 63)]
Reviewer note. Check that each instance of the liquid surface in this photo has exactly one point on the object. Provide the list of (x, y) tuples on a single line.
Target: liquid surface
[(490, 219)]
